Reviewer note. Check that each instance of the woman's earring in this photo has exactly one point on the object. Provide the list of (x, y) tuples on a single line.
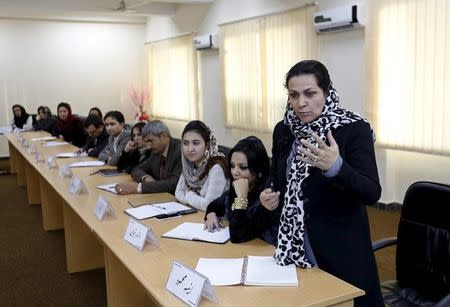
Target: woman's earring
[(259, 175)]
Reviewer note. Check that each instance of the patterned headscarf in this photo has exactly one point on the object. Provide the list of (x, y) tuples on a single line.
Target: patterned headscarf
[(193, 175), (290, 246)]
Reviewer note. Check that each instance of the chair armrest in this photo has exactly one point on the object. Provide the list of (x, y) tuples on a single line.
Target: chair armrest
[(383, 243)]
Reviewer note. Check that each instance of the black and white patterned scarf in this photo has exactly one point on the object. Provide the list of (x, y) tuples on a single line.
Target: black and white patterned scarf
[(191, 173), (290, 246)]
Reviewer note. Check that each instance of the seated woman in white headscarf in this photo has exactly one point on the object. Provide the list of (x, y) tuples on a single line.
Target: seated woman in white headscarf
[(204, 169)]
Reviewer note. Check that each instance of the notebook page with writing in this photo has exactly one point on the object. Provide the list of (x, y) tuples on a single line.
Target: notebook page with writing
[(264, 271), (221, 272), (197, 231)]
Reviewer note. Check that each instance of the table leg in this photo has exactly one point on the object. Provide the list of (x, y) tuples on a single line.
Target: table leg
[(123, 289), (33, 186), (20, 167), (51, 205), (12, 158), (83, 250)]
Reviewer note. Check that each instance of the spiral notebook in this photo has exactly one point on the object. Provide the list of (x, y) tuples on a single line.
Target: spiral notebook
[(249, 271), (197, 232)]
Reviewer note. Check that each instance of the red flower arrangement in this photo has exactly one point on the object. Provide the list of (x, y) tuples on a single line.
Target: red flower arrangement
[(140, 99)]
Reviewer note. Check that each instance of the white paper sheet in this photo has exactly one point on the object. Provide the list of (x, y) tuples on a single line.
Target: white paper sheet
[(44, 138), (87, 163), (54, 144), (221, 272), (71, 155), (108, 187)]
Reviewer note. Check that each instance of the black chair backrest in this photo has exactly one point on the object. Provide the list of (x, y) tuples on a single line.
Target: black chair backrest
[(423, 246), (224, 149)]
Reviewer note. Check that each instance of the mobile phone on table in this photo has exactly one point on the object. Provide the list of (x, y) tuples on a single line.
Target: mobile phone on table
[(161, 217)]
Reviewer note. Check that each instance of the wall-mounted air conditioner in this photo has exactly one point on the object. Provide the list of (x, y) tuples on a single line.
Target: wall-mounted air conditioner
[(205, 41), (338, 19)]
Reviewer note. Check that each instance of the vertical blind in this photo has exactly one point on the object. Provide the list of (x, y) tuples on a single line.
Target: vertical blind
[(173, 79), (408, 43), (255, 56)]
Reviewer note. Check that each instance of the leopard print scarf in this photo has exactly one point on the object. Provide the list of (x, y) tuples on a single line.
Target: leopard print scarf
[(290, 246), (191, 173)]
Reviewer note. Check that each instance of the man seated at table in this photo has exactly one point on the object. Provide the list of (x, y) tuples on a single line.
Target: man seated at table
[(161, 170), (98, 137)]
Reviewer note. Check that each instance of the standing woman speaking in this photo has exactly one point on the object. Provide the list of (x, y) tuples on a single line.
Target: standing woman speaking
[(323, 165)]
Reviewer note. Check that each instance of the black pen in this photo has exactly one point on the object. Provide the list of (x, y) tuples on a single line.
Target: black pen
[(96, 172)]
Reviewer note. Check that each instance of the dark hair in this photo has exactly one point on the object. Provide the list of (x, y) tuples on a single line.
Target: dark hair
[(20, 121), (98, 111), (257, 158), (138, 126), (117, 115), (63, 105), (311, 67), (22, 109), (44, 109), (41, 108), (199, 127), (93, 120)]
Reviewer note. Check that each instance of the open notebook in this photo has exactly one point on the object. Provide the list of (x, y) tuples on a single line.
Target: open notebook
[(197, 232), (160, 209), (250, 271)]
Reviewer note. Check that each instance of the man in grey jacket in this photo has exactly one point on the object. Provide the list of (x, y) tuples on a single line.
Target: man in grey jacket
[(118, 137), (161, 170)]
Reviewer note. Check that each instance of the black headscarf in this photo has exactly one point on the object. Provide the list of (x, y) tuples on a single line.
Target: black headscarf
[(22, 119)]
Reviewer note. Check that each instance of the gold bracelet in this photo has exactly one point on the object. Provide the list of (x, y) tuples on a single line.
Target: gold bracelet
[(239, 203)]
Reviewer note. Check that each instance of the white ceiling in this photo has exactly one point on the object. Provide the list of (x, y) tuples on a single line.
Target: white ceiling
[(95, 10)]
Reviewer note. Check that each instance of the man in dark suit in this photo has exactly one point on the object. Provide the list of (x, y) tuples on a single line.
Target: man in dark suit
[(161, 170), (98, 137)]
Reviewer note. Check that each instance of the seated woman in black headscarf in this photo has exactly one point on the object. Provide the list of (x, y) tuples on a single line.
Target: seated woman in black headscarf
[(45, 120), (68, 126), (248, 218), (135, 151), (22, 120)]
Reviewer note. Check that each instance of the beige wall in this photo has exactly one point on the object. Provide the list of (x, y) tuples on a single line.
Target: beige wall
[(84, 63)]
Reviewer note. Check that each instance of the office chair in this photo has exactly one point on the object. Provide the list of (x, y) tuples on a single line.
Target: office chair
[(423, 249)]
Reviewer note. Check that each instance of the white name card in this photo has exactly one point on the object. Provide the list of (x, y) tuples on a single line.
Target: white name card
[(50, 162), (137, 234), (39, 157), (189, 285), (103, 207), (65, 171), (77, 186), (32, 149)]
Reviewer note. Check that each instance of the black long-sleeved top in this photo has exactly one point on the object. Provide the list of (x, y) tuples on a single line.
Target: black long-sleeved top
[(248, 224), (45, 124), (129, 160), (95, 145), (335, 214), (75, 135)]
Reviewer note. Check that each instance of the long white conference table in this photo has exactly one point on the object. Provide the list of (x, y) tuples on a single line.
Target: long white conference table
[(138, 278)]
